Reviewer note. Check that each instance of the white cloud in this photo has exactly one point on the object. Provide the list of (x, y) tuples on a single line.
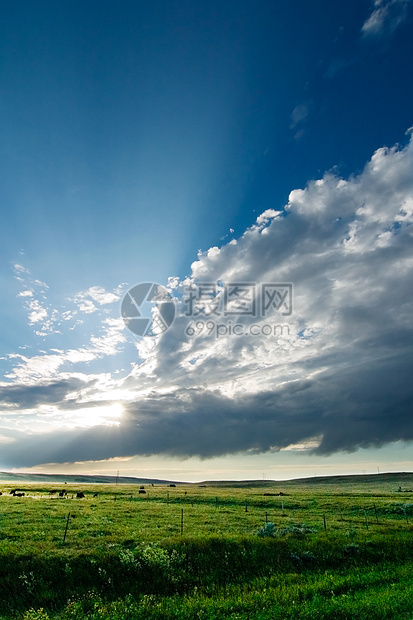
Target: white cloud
[(40, 314), (47, 319), (386, 16), (267, 216), (40, 284), (49, 366), (302, 447), (26, 293), (101, 296), (20, 269), (98, 294), (85, 305), (37, 312)]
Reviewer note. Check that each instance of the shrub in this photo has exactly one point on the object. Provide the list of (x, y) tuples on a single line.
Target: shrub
[(267, 530)]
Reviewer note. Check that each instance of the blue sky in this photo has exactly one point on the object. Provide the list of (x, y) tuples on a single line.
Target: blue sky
[(185, 142)]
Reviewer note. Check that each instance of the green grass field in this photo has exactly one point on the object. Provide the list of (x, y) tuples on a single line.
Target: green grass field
[(326, 548)]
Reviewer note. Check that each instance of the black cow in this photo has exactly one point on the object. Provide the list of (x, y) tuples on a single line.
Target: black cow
[(62, 493), (79, 495)]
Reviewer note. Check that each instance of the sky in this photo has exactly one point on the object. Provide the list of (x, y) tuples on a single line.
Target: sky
[(206, 215)]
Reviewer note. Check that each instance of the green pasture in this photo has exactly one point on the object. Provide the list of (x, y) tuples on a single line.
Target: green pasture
[(321, 549), (120, 515)]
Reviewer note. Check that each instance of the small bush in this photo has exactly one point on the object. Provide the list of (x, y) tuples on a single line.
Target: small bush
[(267, 530)]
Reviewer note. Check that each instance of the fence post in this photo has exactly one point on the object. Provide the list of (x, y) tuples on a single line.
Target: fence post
[(67, 525)]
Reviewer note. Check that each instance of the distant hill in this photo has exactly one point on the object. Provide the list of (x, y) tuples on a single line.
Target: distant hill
[(79, 479), (399, 478), (404, 479)]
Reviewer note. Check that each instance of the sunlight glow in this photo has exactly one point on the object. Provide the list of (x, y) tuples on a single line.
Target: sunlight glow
[(93, 416)]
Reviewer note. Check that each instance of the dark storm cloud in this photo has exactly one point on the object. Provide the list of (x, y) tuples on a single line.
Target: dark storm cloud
[(48, 393), (349, 408)]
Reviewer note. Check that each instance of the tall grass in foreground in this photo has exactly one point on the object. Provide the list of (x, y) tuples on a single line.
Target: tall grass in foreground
[(304, 576), (373, 593)]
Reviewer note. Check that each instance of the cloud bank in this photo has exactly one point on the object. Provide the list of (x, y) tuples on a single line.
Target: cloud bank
[(338, 375)]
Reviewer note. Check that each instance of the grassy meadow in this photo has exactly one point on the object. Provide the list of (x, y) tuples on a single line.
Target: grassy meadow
[(325, 548)]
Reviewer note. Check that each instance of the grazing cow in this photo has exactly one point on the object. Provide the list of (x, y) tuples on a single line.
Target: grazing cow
[(95, 494), (142, 491), (1, 492), (13, 492), (172, 485), (62, 493), (79, 495), (18, 494)]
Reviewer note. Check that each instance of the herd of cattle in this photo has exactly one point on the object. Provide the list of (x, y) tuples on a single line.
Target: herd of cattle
[(63, 493), (77, 494)]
